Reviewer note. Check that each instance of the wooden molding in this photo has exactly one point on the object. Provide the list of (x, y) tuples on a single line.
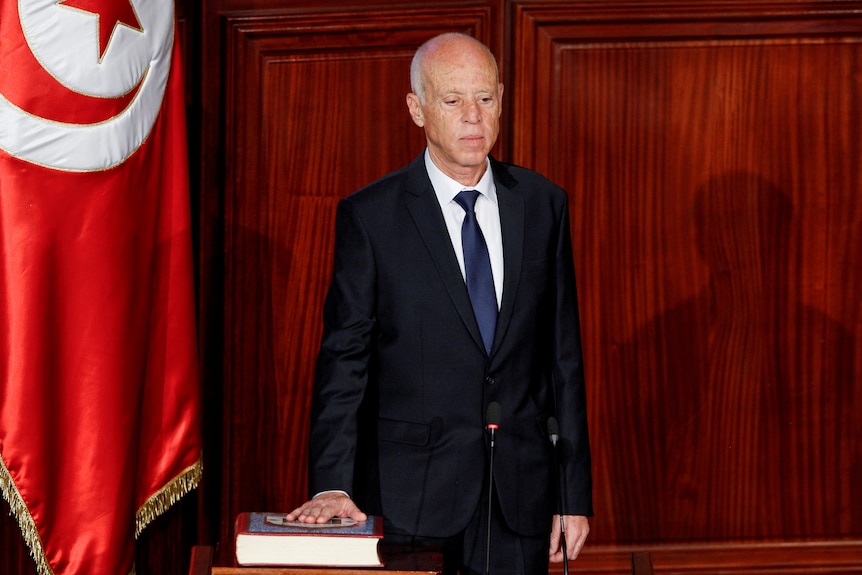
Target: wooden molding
[(776, 558)]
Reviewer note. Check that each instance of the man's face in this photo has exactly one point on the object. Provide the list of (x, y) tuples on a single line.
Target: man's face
[(461, 114)]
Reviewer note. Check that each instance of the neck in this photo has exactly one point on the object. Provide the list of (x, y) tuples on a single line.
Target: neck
[(467, 176)]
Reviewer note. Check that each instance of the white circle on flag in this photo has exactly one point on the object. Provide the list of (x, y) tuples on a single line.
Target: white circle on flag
[(65, 43)]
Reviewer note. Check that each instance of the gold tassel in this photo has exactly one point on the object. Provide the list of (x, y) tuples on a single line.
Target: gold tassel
[(25, 520), (181, 485), (160, 501)]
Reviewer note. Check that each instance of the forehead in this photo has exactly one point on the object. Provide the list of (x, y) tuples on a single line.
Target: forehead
[(460, 68)]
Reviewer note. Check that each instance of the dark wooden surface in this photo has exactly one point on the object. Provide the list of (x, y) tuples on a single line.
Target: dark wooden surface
[(642, 563), (836, 557), (710, 150)]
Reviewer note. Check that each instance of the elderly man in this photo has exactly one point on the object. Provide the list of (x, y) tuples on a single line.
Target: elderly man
[(453, 289)]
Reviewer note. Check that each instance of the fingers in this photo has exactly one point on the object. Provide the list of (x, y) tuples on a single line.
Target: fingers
[(577, 529), (326, 506), (311, 512), (555, 552)]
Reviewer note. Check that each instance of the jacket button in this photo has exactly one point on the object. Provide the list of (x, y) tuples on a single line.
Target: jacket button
[(489, 380)]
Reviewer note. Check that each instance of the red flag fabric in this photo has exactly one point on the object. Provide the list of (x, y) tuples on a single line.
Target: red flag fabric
[(99, 396)]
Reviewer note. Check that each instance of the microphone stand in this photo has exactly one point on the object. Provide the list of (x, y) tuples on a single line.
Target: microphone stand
[(554, 435), (492, 422)]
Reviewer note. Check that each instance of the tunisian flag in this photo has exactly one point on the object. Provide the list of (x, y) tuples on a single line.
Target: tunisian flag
[(99, 396)]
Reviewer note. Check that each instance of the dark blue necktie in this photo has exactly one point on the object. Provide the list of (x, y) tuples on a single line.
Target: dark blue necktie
[(477, 265)]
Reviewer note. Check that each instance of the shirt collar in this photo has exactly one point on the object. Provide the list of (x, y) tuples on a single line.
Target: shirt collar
[(446, 188)]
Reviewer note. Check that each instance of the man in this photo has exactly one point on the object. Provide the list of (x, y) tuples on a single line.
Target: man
[(406, 373)]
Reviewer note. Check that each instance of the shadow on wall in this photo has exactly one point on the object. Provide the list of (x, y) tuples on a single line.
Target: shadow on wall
[(734, 410)]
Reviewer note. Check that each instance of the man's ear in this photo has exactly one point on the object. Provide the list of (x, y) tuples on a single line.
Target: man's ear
[(415, 109)]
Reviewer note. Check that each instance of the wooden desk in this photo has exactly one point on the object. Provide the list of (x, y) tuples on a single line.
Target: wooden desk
[(397, 561)]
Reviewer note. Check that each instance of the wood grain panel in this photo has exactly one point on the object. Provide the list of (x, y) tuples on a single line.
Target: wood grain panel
[(315, 109), (711, 153), (839, 557)]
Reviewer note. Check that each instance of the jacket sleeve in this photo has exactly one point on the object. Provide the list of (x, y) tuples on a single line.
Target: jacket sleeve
[(568, 378), (342, 368)]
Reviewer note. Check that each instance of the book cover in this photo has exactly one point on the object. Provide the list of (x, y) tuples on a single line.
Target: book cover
[(269, 539)]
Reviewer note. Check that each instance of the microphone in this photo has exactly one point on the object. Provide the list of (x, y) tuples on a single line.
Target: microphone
[(492, 423), (553, 430), (492, 419), (554, 435)]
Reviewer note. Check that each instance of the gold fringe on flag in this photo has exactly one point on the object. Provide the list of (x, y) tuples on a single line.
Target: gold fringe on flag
[(25, 520), (175, 489), (181, 485)]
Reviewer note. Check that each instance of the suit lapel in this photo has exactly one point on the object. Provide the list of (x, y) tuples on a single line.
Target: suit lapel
[(512, 224), (425, 211)]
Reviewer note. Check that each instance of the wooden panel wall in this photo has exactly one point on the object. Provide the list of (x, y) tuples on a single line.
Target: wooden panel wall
[(711, 151), (313, 108)]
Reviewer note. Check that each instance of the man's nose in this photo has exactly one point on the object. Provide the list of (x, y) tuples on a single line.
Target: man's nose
[(472, 113)]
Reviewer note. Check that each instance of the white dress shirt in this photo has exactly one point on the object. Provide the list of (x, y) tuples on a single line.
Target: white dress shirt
[(487, 215)]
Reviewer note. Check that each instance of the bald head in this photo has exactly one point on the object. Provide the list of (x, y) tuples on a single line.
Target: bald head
[(445, 46)]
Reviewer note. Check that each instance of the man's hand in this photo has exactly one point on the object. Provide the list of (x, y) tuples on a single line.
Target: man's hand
[(324, 507), (577, 529)]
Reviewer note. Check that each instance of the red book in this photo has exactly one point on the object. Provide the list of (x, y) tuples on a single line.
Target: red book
[(270, 539)]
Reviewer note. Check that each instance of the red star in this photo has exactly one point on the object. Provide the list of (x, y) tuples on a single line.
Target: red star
[(110, 14)]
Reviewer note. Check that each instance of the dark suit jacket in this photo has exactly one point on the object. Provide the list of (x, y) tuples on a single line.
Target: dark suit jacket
[(399, 332)]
